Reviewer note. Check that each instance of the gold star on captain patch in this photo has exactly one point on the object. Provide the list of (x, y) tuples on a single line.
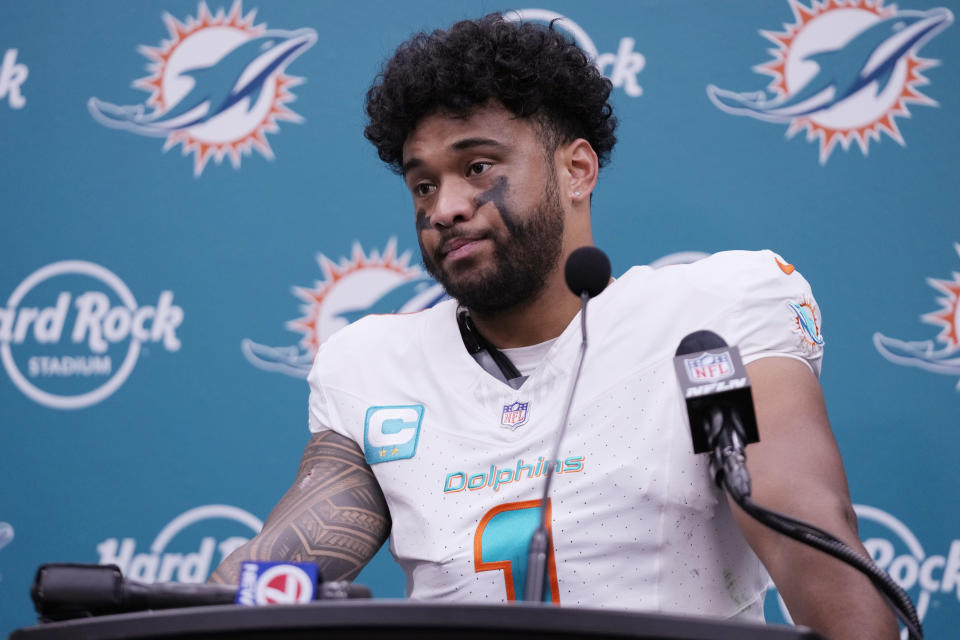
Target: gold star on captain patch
[(395, 451), (383, 452)]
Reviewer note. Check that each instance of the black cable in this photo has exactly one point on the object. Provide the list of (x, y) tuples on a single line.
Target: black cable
[(896, 598), (474, 341), (830, 544)]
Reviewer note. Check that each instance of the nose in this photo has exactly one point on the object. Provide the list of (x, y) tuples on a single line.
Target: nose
[(453, 204)]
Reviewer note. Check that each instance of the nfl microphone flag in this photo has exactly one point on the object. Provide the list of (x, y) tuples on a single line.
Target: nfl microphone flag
[(710, 378)]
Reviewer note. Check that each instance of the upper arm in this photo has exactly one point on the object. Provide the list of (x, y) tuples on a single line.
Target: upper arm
[(797, 448), (796, 469), (334, 514)]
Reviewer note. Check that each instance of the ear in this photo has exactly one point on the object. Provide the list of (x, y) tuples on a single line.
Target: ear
[(577, 171)]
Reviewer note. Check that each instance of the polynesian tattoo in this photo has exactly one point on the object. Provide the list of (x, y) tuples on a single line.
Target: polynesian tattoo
[(334, 515)]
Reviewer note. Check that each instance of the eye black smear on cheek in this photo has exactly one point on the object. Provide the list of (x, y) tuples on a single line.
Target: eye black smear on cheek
[(497, 194), (423, 222)]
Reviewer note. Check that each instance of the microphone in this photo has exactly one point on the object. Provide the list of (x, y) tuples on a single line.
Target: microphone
[(63, 591), (722, 421), (719, 405), (587, 273)]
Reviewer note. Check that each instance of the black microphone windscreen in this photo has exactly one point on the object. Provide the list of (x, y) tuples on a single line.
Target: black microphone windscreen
[(587, 270), (700, 341), (712, 378)]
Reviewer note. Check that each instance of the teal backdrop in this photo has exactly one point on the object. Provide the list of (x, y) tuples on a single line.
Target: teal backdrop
[(189, 207)]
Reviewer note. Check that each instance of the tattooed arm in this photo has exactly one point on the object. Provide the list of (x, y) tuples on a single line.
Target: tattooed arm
[(334, 515)]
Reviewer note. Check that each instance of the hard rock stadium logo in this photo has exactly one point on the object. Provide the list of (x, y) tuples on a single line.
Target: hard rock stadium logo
[(843, 71), (72, 332), (925, 354), (6, 537), (6, 534), (178, 553), (378, 283), (932, 580), (217, 86), (621, 67)]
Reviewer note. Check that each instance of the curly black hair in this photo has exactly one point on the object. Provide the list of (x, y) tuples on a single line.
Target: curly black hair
[(532, 69)]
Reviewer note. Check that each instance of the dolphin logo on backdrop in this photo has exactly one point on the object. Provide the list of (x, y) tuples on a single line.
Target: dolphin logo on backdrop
[(378, 283), (842, 72), (924, 353), (217, 86)]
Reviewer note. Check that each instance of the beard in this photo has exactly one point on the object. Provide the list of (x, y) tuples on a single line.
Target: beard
[(524, 256)]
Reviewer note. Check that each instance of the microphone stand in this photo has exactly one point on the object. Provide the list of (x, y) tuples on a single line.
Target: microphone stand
[(535, 584)]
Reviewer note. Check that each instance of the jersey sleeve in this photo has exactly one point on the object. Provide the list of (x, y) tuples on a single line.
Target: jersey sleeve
[(356, 366), (323, 414), (774, 312)]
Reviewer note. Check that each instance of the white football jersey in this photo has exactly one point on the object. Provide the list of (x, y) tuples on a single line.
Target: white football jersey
[(635, 520)]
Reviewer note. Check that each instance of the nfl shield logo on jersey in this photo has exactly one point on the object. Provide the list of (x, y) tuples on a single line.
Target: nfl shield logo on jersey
[(514, 415), (709, 367)]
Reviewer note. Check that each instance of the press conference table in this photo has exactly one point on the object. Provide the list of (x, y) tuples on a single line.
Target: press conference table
[(395, 619)]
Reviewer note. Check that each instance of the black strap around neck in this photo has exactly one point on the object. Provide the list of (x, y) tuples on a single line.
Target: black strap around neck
[(474, 341)]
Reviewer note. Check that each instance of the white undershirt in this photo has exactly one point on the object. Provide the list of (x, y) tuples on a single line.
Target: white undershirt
[(525, 359)]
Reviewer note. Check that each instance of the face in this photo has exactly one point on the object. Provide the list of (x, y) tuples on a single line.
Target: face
[(489, 217)]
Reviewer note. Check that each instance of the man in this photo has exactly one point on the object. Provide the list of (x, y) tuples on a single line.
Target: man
[(434, 427)]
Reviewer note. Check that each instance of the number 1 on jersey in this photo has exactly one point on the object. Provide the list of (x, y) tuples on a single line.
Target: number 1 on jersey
[(502, 541)]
